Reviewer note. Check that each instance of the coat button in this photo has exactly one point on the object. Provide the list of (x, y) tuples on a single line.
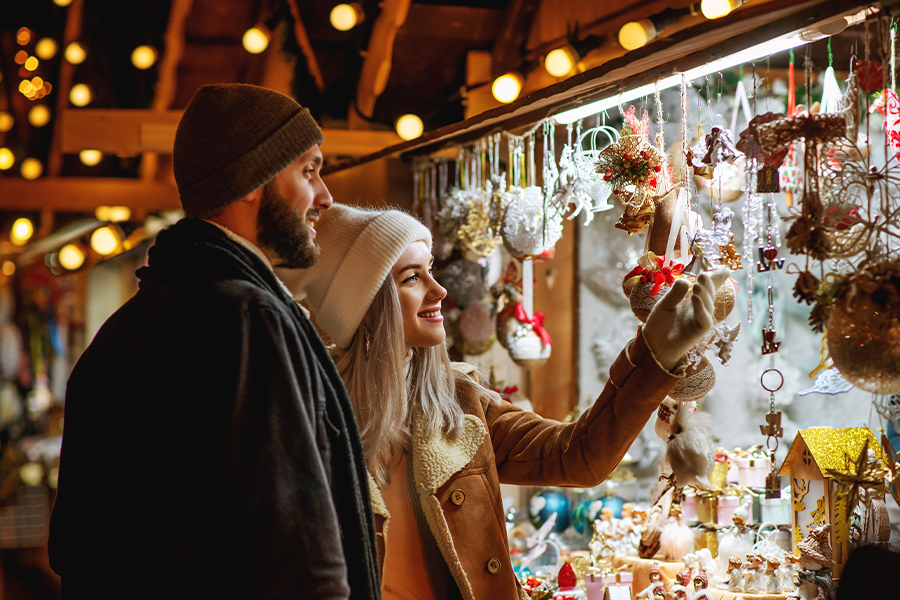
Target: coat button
[(458, 497), (493, 566)]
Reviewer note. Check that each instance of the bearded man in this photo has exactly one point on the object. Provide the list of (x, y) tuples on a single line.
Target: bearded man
[(210, 449)]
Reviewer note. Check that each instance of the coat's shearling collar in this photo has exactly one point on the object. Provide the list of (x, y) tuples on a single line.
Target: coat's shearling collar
[(379, 507)]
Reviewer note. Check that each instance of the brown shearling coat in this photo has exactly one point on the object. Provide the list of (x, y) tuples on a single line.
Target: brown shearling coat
[(523, 449)]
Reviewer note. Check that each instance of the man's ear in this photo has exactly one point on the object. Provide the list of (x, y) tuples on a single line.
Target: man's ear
[(254, 196)]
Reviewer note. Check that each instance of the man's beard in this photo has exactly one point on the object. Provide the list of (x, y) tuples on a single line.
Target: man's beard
[(281, 229)]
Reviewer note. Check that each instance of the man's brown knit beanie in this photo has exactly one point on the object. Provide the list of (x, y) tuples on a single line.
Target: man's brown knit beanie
[(233, 139)]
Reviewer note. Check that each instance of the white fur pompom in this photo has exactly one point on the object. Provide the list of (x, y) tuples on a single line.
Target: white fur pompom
[(676, 539), (690, 450)]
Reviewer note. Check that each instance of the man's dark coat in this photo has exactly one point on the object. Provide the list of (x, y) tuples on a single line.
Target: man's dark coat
[(210, 449)]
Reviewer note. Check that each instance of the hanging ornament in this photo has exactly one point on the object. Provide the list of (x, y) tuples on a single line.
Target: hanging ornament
[(464, 282), (531, 225), (636, 172), (529, 343), (864, 329)]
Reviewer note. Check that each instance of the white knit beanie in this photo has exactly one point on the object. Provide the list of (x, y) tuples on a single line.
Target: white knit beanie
[(359, 247)]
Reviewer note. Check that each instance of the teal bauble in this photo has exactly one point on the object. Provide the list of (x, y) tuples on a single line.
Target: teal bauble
[(545, 503), (584, 514), (615, 503)]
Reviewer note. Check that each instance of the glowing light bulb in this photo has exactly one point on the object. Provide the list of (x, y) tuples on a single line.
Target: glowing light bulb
[(143, 57), (506, 88), (7, 159), (560, 62), (409, 127), (39, 115), (46, 48), (32, 63), (113, 214), (62, 2), (81, 94), (75, 53), (31, 168), (345, 17), (256, 40), (104, 241), (9, 267), (716, 9), (21, 231), (90, 157), (636, 34), (71, 257), (23, 36), (6, 121)]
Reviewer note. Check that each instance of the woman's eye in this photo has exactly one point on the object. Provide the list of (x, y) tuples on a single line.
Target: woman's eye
[(411, 279)]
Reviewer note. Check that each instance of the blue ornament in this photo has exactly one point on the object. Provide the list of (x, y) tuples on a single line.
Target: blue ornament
[(615, 503), (584, 515), (545, 503)]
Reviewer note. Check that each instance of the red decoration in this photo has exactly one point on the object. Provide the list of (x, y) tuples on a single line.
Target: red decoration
[(870, 74), (770, 252), (566, 578), (662, 275), (536, 321)]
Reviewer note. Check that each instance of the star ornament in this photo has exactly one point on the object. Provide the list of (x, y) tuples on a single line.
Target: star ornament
[(864, 472)]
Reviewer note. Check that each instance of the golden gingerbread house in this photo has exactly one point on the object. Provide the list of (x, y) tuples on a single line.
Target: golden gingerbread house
[(814, 498)]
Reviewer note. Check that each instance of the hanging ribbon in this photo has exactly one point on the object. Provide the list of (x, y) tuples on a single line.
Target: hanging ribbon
[(536, 321)]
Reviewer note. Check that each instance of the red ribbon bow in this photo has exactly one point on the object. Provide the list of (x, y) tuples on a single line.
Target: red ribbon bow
[(536, 321), (661, 276)]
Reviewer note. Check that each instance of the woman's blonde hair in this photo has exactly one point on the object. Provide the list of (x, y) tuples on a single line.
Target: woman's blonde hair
[(384, 396)]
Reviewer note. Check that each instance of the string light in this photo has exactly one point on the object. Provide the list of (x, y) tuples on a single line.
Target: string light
[(62, 2), (636, 34), (81, 94), (6, 121), (75, 53), (31, 168), (345, 17), (21, 231), (506, 88), (716, 9), (21, 57), (143, 57), (46, 48), (23, 36), (71, 257), (561, 62), (7, 159), (90, 157), (9, 267), (39, 115), (256, 39), (104, 241), (113, 214), (409, 127)]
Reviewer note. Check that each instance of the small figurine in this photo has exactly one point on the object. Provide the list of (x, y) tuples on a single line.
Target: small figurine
[(752, 575), (788, 566), (656, 589), (682, 580), (773, 575), (734, 582), (676, 538), (816, 562), (701, 582)]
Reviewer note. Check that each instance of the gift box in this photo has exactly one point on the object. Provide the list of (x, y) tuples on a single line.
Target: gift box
[(707, 509), (689, 507), (775, 510), (595, 585), (708, 540), (752, 471)]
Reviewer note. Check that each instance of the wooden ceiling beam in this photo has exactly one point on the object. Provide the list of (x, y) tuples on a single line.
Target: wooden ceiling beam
[(131, 132), (71, 33), (510, 45), (306, 47), (85, 194), (377, 65)]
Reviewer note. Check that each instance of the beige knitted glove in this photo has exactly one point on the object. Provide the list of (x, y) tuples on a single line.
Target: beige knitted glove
[(675, 325)]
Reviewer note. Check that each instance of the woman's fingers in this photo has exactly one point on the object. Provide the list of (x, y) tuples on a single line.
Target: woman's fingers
[(674, 296)]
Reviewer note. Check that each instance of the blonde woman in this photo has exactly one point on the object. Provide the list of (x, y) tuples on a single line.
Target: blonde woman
[(437, 443)]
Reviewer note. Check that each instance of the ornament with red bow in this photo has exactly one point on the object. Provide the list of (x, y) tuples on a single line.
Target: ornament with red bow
[(643, 283), (528, 342)]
